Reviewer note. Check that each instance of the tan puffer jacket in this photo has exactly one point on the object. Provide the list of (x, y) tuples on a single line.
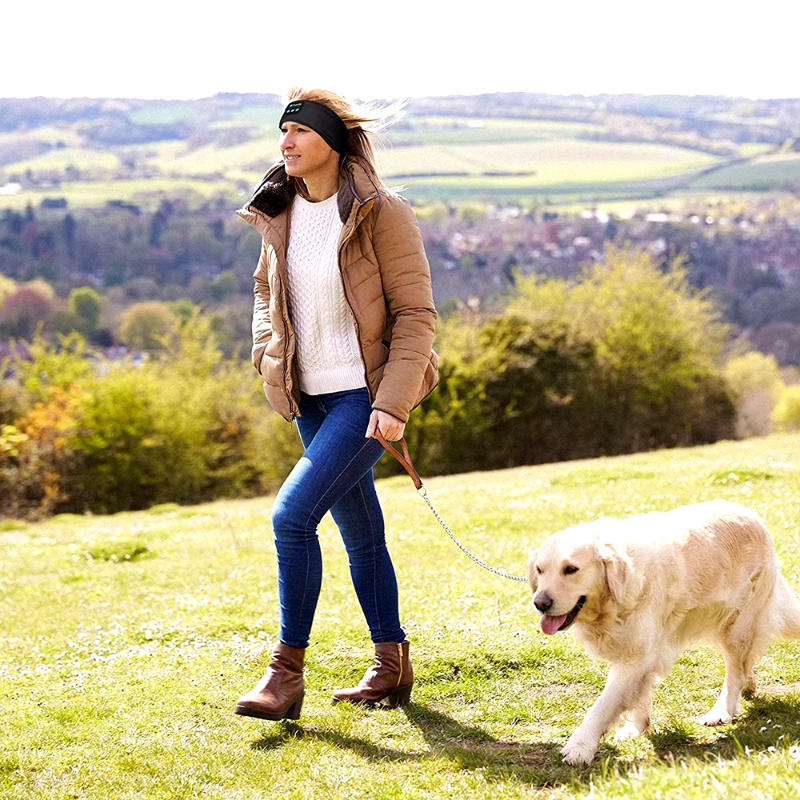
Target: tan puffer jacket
[(387, 286)]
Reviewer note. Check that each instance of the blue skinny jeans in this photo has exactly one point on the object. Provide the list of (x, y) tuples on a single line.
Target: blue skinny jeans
[(334, 474)]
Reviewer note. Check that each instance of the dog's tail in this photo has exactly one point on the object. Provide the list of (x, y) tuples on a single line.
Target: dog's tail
[(787, 610)]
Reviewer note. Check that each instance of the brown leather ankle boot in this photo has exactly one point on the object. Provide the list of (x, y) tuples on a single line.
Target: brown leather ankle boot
[(279, 694), (389, 678)]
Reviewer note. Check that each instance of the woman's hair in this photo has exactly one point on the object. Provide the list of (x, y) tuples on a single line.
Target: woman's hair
[(363, 123)]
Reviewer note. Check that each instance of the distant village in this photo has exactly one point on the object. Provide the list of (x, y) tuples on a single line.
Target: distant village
[(747, 257)]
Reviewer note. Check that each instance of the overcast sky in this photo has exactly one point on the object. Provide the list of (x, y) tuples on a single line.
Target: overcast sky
[(400, 48)]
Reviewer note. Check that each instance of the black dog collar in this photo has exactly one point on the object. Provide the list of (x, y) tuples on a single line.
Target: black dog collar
[(319, 118)]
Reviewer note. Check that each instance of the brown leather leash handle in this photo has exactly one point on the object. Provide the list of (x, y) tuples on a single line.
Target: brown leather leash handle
[(404, 459), (408, 465)]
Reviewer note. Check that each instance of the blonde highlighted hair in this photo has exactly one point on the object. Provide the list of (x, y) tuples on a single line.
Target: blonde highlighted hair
[(363, 123)]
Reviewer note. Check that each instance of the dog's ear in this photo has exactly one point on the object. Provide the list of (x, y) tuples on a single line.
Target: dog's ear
[(617, 568), (533, 576)]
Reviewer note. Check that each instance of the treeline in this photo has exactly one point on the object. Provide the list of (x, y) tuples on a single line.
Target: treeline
[(128, 258), (710, 118), (628, 358), (746, 253), (134, 120)]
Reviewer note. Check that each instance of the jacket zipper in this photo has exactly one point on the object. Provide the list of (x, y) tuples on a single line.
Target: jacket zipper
[(294, 411), (350, 305), (287, 368)]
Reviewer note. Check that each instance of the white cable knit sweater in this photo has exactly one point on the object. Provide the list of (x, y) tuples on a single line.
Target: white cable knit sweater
[(328, 357)]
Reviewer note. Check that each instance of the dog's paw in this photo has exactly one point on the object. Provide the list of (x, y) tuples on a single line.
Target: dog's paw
[(628, 731), (716, 717), (578, 754)]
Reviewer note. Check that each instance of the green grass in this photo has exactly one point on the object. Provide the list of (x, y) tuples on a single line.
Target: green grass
[(765, 172), (127, 639), (554, 162), (464, 130)]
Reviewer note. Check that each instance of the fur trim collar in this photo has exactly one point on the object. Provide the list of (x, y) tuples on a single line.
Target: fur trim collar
[(276, 190)]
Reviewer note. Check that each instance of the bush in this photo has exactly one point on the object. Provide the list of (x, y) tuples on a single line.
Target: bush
[(757, 385), (36, 458), (187, 427), (626, 360), (787, 411), (658, 346), (146, 326), (512, 394)]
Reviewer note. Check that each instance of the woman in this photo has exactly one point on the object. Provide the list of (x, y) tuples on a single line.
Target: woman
[(343, 324)]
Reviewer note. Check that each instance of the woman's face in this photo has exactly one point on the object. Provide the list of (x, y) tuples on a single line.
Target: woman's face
[(305, 153)]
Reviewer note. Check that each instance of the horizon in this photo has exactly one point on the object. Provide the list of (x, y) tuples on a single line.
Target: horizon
[(157, 99), (173, 51)]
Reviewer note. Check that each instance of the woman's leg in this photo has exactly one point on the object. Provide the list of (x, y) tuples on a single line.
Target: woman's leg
[(335, 473), (359, 517)]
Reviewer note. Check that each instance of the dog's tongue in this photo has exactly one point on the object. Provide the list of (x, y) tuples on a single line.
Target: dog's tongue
[(551, 625)]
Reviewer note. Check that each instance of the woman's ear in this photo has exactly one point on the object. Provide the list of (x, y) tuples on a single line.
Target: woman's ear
[(533, 576)]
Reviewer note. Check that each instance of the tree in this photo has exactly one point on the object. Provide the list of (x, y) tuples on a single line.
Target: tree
[(224, 285), (145, 326), (23, 311), (87, 305)]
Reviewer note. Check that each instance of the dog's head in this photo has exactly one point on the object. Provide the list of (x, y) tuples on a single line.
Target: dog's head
[(572, 569)]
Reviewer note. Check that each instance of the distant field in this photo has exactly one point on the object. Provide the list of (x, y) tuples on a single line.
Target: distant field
[(77, 157), (553, 161), (462, 130), (766, 172), (147, 193), (434, 157)]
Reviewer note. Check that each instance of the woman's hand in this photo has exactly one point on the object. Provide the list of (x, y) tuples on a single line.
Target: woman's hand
[(390, 427)]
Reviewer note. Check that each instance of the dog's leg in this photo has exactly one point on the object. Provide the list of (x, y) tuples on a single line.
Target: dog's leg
[(742, 649), (727, 705), (638, 720), (623, 688)]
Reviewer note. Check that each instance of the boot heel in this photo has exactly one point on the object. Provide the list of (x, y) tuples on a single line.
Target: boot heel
[(402, 697), (293, 712)]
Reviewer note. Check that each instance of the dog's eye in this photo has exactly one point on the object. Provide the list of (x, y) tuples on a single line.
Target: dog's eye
[(538, 570), (570, 570)]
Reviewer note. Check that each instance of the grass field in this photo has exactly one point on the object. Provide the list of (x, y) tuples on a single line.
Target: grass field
[(769, 171), (127, 639), (435, 158)]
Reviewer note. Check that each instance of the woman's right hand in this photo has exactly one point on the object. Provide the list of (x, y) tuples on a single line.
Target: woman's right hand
[(391, 428)]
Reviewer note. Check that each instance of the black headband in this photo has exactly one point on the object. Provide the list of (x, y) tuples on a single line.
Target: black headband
[(320, 119)]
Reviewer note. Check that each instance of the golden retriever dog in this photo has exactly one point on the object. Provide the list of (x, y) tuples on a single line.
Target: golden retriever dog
[(636, 591)]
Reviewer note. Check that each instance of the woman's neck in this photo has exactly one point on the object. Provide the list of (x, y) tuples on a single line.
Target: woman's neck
[(321, 187)]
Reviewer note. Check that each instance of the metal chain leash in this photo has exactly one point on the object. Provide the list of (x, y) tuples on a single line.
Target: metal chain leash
[(424, 495), (408, 465)]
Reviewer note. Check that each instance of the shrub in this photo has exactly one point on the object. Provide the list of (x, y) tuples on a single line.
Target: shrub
[(787, 411), (185, 427), (146, 326), (757, 385), (36, 458), (509, 395), (623, 361), (658, 346)]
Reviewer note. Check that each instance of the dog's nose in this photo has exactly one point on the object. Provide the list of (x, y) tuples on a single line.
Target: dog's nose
[(543, 602)]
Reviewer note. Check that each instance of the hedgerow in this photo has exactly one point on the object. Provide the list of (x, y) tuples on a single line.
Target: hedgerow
[(627, 359)]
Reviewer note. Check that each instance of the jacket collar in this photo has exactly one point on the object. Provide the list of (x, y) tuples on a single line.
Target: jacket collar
[(275, 192)]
